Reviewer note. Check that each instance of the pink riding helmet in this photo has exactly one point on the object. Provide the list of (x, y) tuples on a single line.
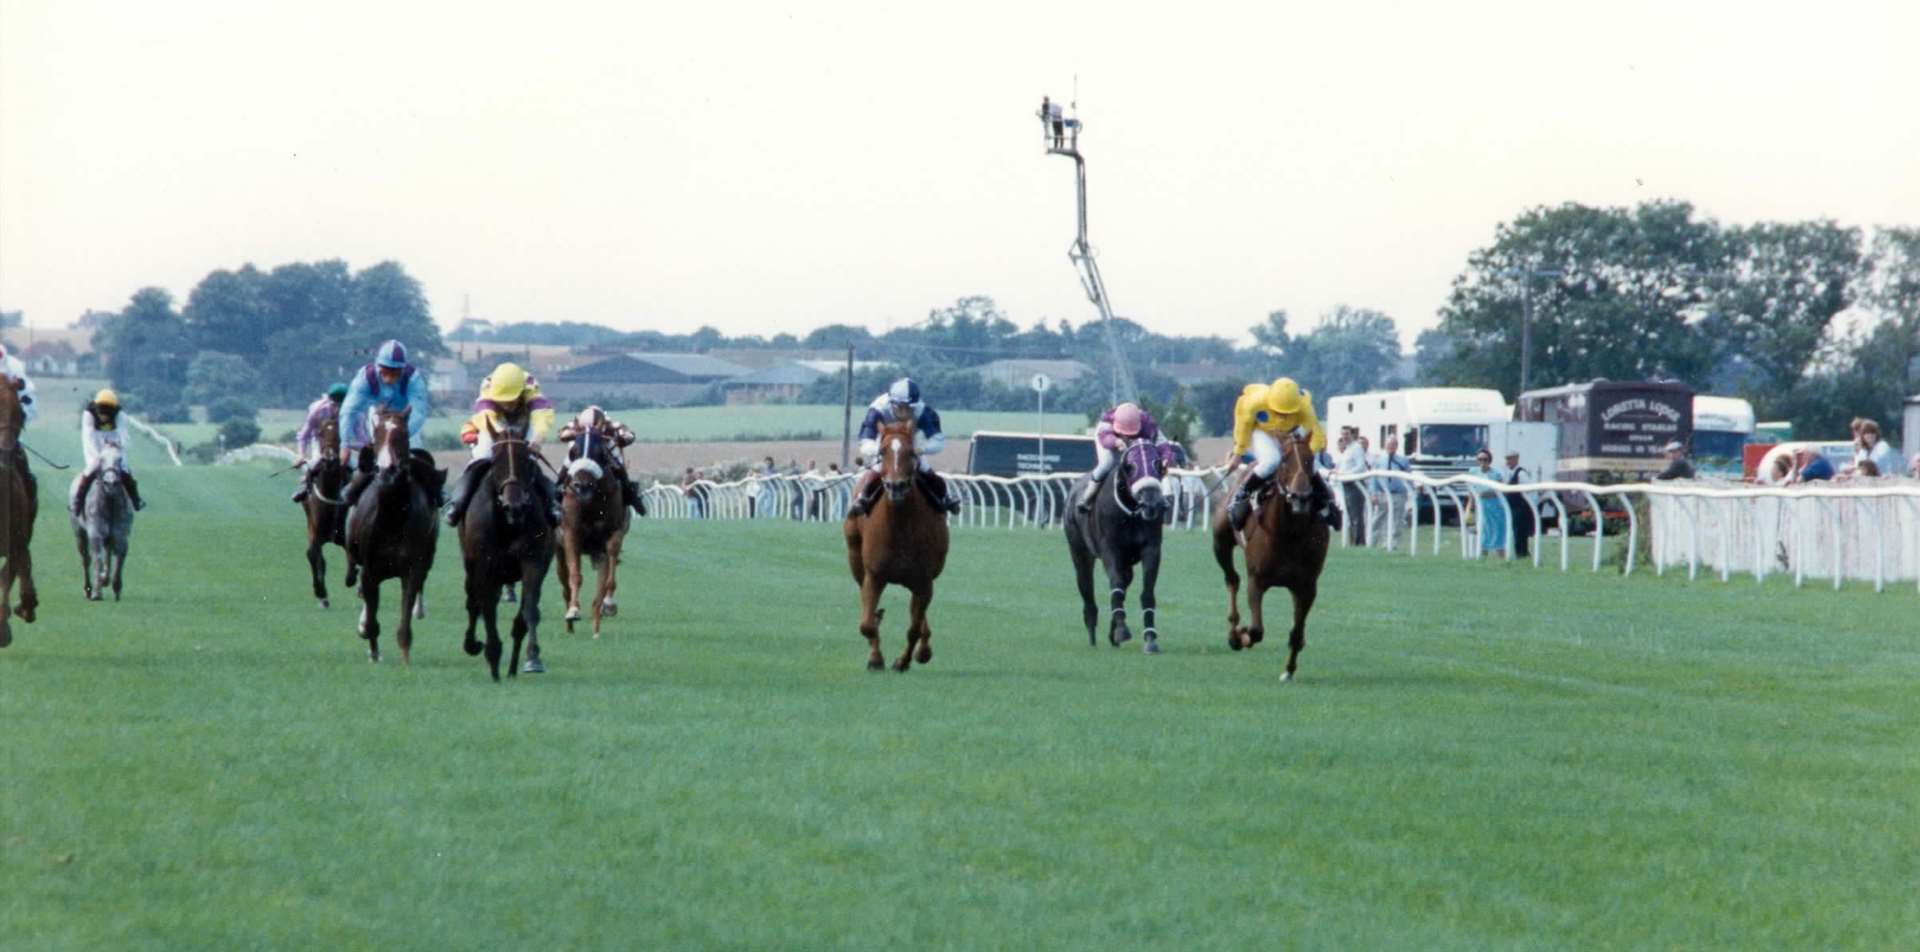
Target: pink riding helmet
[(1126, 420)]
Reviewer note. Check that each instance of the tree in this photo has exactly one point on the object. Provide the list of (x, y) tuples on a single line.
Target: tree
[(146, 348), (1894, 294), (228, 311), (212, 375), (1351, 350), (1783, 286), (1431, 352), (1625, 304)]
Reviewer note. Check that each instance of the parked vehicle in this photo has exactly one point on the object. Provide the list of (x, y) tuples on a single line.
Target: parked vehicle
[(1722, 427), (1440, 428)]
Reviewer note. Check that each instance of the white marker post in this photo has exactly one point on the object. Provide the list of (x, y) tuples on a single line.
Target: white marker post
[(1041, 383)]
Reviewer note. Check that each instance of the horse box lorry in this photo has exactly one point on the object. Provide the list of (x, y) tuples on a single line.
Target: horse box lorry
[(1722, 428), (1441, 429), (1611, 431)]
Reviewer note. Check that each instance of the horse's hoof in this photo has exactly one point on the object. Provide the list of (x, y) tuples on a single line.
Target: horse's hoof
[(373, 656), (570, 626), (1233, 640), (609, 609), (923, 656), (901, 666), (324, 605), (533, 666), (6, 633), (1122, 635), (28, 613), (875, 664), (472, 648), (573, 615), (1152, 645), (1286, 676)]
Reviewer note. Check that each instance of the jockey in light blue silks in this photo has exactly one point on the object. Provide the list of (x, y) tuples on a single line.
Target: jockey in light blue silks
[(904, 395), (389, 383)]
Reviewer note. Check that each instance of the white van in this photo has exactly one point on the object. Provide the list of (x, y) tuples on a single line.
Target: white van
[(1722, 426), (1440, 428)]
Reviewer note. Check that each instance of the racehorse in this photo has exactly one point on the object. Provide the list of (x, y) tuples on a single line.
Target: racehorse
[(102, 527), (1285, 546), (324, 508), (19, 504), (594, 522), (1122, 530), (901, 541), (504, 538), (392, 531)]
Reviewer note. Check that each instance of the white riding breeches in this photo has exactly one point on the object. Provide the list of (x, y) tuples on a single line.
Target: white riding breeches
[(1266, 454), (1104, 460)]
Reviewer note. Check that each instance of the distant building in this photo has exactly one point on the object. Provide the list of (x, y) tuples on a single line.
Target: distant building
[(449, 378), (52, 359), (1196, 372), (784, 382), (658, 379), (1018, 372), (546, 361)]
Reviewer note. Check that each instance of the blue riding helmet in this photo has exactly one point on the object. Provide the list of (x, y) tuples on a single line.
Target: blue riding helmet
[(393, 355), (903, 391)]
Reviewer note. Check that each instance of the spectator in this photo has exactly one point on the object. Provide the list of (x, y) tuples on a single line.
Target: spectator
[(1353, 462), (1814, 467), (1871, 448), (1493, 516), (1392, 498), (1678, 466), (1521, 505), (763, 498), (689, 487)]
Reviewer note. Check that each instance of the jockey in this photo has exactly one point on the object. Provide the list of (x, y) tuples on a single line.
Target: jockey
[(507, 393), (388, 383), (1264, 415), (1119, 426), (619, 435), (13, 368), (904, 394), (307, 442), (100, 428)]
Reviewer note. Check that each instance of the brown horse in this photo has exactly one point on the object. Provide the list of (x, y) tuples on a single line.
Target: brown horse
[(392, 532), (19, 504), (902, 541), (594, 522), (1285, 546), (505, 539), (325, 511)]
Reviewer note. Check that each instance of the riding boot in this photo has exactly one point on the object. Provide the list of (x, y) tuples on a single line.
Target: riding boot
[(306, 484), (1243, 499), (361, 480), (866, 492), (80, 492), (1321, 498), (549, 500), (133, 491), (1087, 495), (634, 499), (463, 490), (942, 494)]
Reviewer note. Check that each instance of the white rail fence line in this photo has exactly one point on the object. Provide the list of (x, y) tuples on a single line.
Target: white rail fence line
[(1868, 531)]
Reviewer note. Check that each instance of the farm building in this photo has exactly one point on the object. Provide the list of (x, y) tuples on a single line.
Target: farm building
[(1018, 372), (643, 379), (783, 382)]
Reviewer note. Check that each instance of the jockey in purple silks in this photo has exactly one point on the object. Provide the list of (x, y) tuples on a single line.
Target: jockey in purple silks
[(307, 442), (1122, 425)]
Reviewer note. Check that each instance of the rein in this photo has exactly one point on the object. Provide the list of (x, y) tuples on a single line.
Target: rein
[(42, 457)]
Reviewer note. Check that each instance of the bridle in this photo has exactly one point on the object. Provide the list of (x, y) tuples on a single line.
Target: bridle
[(1122, 487)]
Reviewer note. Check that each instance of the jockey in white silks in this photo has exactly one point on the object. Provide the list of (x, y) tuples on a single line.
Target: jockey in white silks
[(99, 429), (904, 395)]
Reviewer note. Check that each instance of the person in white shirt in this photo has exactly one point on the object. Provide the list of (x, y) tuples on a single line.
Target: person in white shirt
[(1385, 491), (1352, 462), (1873, 449)]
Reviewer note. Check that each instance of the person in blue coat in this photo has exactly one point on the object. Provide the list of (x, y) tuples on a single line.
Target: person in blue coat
[(903, 396), (389, 383)]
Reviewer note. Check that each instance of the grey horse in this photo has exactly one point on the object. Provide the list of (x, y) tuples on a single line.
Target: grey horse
[(103, 526)]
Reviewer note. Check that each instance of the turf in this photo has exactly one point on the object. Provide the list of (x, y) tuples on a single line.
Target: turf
[(1474, 756)]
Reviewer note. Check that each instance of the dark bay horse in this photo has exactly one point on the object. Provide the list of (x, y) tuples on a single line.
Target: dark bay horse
[(19, 504), (901, 541), (594, 522), (392, 532), (504, 538), (324, 508), (103, 527), (1122, 530), (1285, 546)]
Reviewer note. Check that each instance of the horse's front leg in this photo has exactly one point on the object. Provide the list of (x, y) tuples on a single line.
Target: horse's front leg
[(119, 565), (403, 634), (86, 564), (1119, 576), (1303, 597), (6, 601), (870, 615), (29, 595), (570, 579), (1083, 577), (475, 604), (603, 604), (1149, 574), (527, 619), (919, 635), (317, 562), (1256, 597), (1223, 546), (370, 615)]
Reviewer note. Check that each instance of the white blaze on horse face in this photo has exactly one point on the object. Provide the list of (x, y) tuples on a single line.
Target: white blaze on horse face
[(1143, 484), (895, 448), (386, 456)]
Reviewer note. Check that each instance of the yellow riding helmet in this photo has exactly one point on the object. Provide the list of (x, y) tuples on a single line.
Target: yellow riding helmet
[(106, 398), (1285, 397), (507, 383)]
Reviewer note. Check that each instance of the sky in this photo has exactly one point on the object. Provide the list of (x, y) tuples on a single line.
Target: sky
[(773, 167)]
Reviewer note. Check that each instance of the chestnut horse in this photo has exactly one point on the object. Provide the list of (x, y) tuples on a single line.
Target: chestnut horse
[(392, 532), (902, 541), (504, 538), (325, 511), (1285, 546), (594, 521), (19, 504)]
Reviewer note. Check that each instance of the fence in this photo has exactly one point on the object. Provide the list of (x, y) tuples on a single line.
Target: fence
[(1867, 531)]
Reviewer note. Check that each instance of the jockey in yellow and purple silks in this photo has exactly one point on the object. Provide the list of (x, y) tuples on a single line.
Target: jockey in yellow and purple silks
[(507, 393), (99, 429), (1264, 415)]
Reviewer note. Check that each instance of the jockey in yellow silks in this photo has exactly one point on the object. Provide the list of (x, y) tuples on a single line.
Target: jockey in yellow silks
[(507, 393), (1264, 415)]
